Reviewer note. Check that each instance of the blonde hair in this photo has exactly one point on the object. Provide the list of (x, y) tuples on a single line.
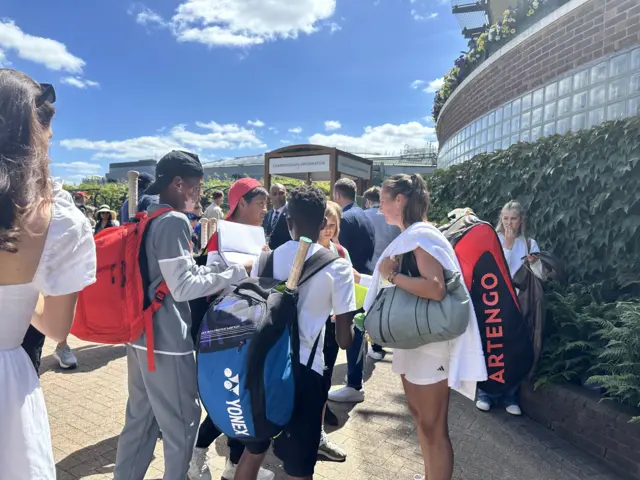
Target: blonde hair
[(334, 210), (513, 205)]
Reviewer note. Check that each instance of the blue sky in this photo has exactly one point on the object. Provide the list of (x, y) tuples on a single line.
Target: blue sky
[(230, 77)]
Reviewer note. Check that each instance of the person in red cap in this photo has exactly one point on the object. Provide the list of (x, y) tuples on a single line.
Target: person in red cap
[(248, 206)]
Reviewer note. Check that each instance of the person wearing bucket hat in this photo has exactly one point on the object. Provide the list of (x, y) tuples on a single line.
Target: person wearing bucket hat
[(106, 218)]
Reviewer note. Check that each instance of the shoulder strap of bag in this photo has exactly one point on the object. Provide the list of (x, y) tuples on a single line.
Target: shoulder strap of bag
[(341, 251), (317, 262), (529, 246), (265, 264), (312, 355)]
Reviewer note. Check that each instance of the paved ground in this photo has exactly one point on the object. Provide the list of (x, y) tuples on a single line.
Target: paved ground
[(86, 408)]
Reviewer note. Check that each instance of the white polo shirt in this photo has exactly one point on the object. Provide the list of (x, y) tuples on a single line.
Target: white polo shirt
[(331, 289)]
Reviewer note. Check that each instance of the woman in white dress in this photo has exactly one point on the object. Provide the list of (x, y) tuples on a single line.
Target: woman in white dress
[(47, 255)]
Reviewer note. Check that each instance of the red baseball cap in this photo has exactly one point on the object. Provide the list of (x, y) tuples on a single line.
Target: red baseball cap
[(81, 194), (238, 190)]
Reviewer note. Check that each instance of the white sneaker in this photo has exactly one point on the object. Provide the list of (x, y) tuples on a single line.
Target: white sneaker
[(229, 472), (330, 450), (198, 467), (346, 395), (483, 405), (377, 356), (514, 410)]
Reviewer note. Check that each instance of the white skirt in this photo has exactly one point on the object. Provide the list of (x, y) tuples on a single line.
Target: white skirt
[(424, 365), (25, 439)]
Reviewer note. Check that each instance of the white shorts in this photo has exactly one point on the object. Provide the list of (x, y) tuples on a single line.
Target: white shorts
[(424, 365)]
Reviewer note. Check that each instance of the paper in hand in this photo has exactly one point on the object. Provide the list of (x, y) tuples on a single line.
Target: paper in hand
[(239, 243)]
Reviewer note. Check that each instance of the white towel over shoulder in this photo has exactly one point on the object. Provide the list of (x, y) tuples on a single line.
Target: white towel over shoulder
[(466, 363)]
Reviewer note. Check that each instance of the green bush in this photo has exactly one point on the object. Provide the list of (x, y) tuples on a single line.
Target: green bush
[(580, 191), (114, 194)]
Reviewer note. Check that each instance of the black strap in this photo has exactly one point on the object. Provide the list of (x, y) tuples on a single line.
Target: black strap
[(265, 264), (312, 356), (317, 262), (313, 265)]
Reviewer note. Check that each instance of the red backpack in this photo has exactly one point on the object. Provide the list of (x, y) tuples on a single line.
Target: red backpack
[(116, 309)]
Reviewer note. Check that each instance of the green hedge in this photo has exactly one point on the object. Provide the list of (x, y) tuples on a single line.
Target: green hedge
[(114, 194), (583, 201), (580, 190)]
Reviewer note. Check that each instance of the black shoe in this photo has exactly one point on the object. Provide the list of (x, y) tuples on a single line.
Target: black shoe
[(330, 418)]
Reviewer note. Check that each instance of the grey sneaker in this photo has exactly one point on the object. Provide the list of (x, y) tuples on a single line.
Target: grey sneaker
[(330, 450), (65, 357)]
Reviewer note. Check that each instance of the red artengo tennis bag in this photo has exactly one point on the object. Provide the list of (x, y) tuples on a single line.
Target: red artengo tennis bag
[(507, 346)]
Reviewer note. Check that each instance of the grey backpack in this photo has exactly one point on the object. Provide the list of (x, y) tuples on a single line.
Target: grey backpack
[(399, 319)]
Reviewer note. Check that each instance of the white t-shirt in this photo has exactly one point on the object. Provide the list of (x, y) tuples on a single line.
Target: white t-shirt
[(332, 288)]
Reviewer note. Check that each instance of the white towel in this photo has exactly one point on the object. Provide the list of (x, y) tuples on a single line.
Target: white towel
[(466, 363)]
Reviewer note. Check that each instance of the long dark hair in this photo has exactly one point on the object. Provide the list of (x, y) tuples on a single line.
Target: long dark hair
[(24, 164), (414, 188)]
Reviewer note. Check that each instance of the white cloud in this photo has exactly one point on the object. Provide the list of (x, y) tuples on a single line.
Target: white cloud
[(256, 123), (148, 17), (417, 84), (274, 130), (215, 137), (295, 130), (334, 27), (3, 60), (285, 142), (380, 139), (44, 51), (419, 17), (242, 23), (332, 125), (434, 85), (79, 82)]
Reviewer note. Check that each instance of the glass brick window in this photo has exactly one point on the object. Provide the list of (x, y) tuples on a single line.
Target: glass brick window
[(608, 89)]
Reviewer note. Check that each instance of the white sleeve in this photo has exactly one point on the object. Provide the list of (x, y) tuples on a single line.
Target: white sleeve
[(535, 248), (68, 261), (343, 298)]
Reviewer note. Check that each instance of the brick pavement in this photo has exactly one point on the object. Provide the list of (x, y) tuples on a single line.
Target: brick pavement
[(86, 410)]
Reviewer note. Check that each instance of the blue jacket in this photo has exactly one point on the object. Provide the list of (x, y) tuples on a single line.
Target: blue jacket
[(356, 235), (144, 202)]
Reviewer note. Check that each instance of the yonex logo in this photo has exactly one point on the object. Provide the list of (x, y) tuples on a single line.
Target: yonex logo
[(232, 384), (234, 408)]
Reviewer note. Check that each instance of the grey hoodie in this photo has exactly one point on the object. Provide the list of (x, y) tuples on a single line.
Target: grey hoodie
[(169, 256)]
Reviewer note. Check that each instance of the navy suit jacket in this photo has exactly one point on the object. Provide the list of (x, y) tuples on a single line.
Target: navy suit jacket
[(356, 235), (279, 235)]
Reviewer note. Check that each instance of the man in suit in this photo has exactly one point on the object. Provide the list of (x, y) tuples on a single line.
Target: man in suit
[(275, 222), (357, 236), (356, 230)]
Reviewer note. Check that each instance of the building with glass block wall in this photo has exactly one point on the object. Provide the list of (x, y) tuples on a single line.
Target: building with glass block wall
[(575, 68)]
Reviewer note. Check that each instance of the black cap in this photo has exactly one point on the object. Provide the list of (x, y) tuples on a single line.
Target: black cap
[(175, 164)]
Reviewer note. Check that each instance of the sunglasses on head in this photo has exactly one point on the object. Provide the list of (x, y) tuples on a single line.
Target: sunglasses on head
[(48, 94), (193, 216)]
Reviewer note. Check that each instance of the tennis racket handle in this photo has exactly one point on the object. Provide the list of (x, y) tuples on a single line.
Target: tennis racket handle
[(204, 233), (132, 178), (298, 263)]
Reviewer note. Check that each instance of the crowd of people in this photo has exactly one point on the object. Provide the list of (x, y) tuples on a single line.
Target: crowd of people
[(48, 253)]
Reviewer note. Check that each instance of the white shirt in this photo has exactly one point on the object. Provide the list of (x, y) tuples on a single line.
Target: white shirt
[(515, 254), (332, 288), (213, 211)]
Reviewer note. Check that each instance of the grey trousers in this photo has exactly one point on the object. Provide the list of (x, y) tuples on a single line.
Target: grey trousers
[(165, 400)]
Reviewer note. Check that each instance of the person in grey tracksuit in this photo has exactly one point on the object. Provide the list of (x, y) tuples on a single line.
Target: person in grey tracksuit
[(167, 399)]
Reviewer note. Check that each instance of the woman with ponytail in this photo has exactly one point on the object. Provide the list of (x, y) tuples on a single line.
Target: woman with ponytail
[(47, 256), (415, 262)]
